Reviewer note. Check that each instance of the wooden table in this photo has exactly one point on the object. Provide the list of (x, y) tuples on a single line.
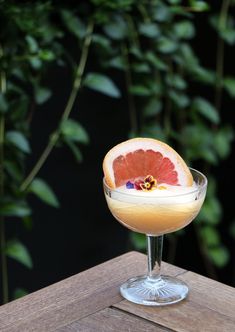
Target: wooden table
[(90, 301)]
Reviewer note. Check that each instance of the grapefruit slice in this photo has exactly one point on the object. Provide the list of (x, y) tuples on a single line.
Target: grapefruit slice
[(139, 157)]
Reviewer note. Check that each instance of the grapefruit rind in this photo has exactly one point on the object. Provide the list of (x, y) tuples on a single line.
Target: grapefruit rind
[(184, 175)]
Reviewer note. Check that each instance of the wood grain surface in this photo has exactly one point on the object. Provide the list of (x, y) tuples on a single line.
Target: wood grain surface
[(90, 301), (112, 320)]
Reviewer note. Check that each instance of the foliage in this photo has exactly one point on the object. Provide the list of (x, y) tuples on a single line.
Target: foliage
[(150, 45), (27, 51), (160, 65)]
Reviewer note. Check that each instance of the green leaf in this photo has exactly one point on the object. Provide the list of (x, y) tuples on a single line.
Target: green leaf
[(209, 155), (16, 250), (42, 190), (166, 45), (74, 131), (116, 30), (19, 73), (155, 86), (102, 83), (174, 2), (17, 139), (149, 30), (219, 256), (210, 236), (152, 108), (46, 55), (140, 90), (184, 29), (181, 12), (32, 43), (162, 13), (35, 62), (19, 292), (16, 209), (28, 222), (153, 130), (73, 23), (222, 141), (180, 100), (141, 68), (203, 75), (211, 211), (3, 103), (42, 95), (101, 41), (138, 240), (214, 22), (200, 143), (205, 108), (21, 111), (75, 150), (212, 186), (136, 51), (176, 81), (224, 28), (188, 57), (117, 62), (228, 35), (13, 170), (199, 6), (229, 86), (155, 61)]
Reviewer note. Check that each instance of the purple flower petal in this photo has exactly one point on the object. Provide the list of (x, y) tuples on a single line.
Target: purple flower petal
[(129, 185)]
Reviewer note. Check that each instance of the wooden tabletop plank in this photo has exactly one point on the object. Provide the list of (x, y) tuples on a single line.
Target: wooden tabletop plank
[(210, 307), (74, 298), (92, 298), (108, 320), (211, 294), (185, 316)]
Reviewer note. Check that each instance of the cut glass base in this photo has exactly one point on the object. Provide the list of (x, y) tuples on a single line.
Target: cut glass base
[(154, 292)]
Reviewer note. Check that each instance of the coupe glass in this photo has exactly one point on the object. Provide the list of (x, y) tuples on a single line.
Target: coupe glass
[(156, 216)]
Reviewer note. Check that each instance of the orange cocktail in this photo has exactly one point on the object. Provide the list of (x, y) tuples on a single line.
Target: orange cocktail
[(156, 212)]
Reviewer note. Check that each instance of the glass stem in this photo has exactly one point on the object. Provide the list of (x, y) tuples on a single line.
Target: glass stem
[(154, 244)]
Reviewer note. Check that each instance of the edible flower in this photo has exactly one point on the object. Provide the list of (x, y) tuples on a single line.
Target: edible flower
[(130, 185), (149, 183)]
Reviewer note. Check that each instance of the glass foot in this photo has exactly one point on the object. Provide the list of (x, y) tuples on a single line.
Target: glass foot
[(155, 292)]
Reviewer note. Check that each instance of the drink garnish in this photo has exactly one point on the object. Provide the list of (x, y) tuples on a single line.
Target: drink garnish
[(137, 157), (130, 185), (149, 183)]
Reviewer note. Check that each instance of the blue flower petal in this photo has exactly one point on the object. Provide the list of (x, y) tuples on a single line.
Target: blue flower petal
[(129, 185)]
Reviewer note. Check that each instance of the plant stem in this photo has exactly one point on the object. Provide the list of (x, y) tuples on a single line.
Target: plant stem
[(2, 221), (144, 13), (220, 55), (76, 86), (131, 102), (133, 33), (4, 273), (5, 295)]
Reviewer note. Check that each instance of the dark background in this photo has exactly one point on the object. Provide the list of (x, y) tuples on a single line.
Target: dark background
[(82, 233)]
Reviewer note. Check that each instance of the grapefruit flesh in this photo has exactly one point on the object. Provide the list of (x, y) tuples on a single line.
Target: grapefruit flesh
[(136, 158), (140, 163)]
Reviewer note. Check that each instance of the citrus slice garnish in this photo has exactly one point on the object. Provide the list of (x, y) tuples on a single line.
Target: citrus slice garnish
[(138, 157)]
